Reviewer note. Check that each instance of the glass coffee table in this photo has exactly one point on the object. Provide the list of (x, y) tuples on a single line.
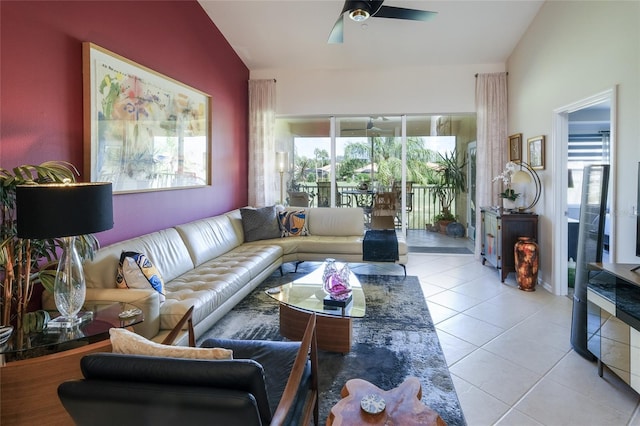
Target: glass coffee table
[(301, 297)]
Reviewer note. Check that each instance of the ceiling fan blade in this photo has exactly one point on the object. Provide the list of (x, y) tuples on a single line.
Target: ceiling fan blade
[(402, 13), (338, 29)]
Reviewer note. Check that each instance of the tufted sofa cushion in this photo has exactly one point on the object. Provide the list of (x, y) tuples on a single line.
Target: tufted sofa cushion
[(166, 250), (209, 238), (213, 282), (337, 222)]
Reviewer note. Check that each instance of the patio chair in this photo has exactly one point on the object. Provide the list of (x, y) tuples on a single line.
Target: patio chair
[(298, 199), (397, 188), (385, 204), (324, 196)]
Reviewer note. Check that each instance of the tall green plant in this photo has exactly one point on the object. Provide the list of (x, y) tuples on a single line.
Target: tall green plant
[(450, 181), (22, 260)]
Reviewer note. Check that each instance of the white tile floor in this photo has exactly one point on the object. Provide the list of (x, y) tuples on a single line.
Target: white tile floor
[(508, 350)]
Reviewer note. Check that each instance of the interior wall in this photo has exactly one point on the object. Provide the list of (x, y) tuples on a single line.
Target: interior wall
[(41, 94), (428, 90), (571, 51)]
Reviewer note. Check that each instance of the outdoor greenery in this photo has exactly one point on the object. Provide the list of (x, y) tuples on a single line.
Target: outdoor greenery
[(451, 181), (436, 178), (384, 153)]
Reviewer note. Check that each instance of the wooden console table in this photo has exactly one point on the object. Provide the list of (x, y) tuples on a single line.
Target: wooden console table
[(499, 233)]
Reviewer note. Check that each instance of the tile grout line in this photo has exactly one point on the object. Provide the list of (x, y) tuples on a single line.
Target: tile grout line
[(513, 406)]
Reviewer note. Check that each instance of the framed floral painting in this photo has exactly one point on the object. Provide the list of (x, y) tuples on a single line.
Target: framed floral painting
[(143, 131)]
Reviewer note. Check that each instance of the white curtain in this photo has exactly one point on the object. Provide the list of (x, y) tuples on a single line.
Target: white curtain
[(491, 154), (262, 123)]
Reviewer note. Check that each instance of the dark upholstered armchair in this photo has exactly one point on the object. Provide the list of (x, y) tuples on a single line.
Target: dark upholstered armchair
[(266, 383)]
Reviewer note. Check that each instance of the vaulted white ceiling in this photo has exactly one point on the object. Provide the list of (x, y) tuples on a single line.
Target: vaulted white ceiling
[(285, 34)]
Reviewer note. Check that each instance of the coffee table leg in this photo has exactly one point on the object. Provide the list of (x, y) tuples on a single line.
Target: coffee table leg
[(334, 334)]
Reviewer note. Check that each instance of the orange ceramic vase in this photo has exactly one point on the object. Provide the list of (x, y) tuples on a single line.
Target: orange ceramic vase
[(526, 256)]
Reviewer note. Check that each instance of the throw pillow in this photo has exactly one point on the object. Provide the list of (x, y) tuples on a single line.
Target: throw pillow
[(124, 341), (260, 224), (293, 223), (135, 270)]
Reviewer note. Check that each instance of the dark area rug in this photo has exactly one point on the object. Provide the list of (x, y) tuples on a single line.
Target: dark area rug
[(443, 250), (396, 339)]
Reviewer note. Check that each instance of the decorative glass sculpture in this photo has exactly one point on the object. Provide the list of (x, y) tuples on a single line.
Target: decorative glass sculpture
[(335, 282)]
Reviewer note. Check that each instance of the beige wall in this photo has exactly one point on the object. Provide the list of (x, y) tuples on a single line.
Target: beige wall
[(571, 51), (388, 91)]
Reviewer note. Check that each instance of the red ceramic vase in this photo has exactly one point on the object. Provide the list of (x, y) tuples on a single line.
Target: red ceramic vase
[(526, 256)]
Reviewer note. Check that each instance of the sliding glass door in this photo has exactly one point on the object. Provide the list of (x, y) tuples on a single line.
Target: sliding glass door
[(342, 161)]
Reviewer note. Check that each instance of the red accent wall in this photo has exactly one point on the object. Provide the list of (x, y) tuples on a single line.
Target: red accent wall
[(41, 94)]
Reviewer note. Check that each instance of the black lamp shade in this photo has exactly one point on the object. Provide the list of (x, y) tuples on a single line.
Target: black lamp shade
[(63, 210)]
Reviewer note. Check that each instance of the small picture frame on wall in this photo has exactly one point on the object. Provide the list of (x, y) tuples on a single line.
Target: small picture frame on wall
[(515, 147), (536, 152)]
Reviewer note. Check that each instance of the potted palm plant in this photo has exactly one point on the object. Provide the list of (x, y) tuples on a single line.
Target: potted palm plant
[(23, 263), (450, 182)]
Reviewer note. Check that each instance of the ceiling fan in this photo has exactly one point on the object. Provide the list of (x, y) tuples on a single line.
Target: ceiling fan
[(370, 126), (361, 10)]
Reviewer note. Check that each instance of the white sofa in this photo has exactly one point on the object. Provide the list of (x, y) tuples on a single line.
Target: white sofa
[(208, 265)]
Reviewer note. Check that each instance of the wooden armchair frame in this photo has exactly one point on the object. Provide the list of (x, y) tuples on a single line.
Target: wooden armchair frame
[(308, 350)]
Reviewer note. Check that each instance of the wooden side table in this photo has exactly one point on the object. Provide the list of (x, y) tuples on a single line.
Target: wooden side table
[(403, 406), (29, 387)]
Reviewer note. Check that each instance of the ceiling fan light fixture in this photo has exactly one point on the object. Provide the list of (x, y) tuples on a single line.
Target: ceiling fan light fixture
[(359, 15)]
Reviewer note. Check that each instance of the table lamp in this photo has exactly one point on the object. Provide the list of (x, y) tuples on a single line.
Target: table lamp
[(523, 179), (65, 210)]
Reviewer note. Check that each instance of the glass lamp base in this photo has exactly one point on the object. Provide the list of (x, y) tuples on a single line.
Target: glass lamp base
[(69, 289), (69, 322)]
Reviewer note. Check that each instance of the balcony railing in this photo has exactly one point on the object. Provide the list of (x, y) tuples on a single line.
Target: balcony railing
[(421, 211)]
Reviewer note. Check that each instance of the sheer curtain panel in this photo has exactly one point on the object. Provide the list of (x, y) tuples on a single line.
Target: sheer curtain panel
[(262, 123), (491, 155)]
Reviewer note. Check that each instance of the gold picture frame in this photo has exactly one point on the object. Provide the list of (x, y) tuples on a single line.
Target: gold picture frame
[(536, 152), (143, 131), (515, 147)]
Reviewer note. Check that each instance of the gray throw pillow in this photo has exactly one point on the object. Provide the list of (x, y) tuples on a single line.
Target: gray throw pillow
[(260, 224)]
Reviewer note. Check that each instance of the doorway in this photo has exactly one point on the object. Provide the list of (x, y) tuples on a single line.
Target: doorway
[(585, 134)]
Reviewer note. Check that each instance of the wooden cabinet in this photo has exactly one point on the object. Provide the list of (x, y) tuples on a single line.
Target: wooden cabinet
[(500, 231)]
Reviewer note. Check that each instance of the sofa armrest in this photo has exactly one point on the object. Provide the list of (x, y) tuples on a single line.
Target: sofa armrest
[(147, 300)]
